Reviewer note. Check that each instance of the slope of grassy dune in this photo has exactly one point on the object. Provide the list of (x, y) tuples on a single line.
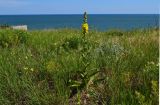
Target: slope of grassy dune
[(61, 67)]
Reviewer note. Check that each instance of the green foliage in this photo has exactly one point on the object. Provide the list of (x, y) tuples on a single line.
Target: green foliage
[(61, 67), (80, 81), (72, 43), (115, 33), (5, 26), (10, 38), (151, 70)]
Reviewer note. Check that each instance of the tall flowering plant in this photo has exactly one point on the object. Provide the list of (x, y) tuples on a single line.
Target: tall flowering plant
[(85, 27)]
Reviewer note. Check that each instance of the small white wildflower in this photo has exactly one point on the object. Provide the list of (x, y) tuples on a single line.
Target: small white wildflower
[(157, 64), (55, 44), (32, 69), (152, 63), (26, 57), (25, 68)]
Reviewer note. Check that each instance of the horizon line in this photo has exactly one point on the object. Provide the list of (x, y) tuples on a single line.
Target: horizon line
[(92, 14)]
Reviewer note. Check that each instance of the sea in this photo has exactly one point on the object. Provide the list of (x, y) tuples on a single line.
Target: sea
[(100, 22)]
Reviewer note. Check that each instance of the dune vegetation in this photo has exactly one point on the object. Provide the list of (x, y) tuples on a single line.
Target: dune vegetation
[(64, 67)]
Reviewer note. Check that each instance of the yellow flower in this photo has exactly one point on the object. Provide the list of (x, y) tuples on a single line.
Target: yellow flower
[(51, 65), (154, 87), (85, 28)]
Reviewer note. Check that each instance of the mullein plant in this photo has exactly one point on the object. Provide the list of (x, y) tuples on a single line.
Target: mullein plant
[(85, 27), (75, 85), (83, 77)]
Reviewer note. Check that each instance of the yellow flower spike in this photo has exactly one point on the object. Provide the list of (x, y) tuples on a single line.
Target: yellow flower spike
[(85, 26)]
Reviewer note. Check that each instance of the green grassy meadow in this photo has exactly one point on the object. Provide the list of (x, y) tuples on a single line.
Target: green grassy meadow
[(64, 67)]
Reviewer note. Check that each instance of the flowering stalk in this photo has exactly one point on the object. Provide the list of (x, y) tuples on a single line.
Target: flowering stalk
[(85, 24)]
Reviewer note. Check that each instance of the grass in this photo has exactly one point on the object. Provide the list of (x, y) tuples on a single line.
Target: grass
[(60, 67)]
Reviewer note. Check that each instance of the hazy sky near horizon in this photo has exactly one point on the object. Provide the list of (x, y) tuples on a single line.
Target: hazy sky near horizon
[(79, 6)]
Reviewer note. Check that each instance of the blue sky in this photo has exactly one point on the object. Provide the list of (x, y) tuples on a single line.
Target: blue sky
[(79, 6)]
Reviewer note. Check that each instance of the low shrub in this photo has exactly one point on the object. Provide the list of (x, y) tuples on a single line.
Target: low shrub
[(115, 33), (9, 38)]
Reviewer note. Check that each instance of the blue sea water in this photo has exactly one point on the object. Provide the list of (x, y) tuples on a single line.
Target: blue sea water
[(99, 22)]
